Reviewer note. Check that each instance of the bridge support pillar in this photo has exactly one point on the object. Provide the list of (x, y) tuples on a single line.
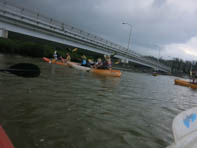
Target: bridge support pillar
[(3, 33)]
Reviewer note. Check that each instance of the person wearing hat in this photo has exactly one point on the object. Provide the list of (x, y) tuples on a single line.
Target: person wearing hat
[(68, 58), (98, 64), (55, 56), (84, 61), (90, 63)]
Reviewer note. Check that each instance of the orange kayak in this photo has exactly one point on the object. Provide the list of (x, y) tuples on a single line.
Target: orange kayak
[(185, 83), (194, 86), (105, 72), (53, 61)]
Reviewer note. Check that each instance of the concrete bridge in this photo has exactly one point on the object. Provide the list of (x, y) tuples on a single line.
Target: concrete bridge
[(20, 20)]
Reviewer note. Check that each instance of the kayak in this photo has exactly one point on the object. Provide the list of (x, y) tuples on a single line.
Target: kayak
[(78, 67), (154, 74), (194, 86), (106, 72), (185, 83), (184, 128), (4, 139), (56, 62), (53, 61)]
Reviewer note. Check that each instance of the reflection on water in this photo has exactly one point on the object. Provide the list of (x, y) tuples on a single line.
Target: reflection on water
[(68, 108)]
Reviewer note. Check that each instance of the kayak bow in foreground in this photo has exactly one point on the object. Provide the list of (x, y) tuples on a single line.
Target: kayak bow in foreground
[(184, 128), (4, 140)]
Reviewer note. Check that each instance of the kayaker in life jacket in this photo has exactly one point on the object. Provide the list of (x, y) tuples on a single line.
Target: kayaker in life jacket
[(194, 76), (98, 64), (68, 58), (84, 61), (90, 63), (107, 63), (55, 56)]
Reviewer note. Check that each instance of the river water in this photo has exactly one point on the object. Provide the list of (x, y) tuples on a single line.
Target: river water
[(66, 108)]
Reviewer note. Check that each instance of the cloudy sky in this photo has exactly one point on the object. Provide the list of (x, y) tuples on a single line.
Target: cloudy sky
[(168, 26)]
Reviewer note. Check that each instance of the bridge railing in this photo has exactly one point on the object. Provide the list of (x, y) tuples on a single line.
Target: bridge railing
[(59, 25), (50, 23)]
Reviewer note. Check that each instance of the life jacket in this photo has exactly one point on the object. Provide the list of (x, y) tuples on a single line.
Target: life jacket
[(83, 62), (68, 58), (109, 63), (55, 56)]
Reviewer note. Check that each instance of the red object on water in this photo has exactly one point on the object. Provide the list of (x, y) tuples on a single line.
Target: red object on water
[(4, 139)]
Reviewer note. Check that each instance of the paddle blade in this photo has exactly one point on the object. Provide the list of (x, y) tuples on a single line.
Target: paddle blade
[(113, 54), (117, 62), (24, 70), (75, 49)]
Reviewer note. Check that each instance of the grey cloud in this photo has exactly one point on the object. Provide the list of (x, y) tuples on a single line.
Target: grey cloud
[(157, 24), (158, 3)]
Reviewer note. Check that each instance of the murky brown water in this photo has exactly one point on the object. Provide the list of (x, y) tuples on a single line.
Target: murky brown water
[(65, 108)]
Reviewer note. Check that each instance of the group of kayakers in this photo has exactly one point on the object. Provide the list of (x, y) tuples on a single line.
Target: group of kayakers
[(99, 64)]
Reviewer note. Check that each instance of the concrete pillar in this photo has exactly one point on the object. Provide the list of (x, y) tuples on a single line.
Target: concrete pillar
[(3, 33)]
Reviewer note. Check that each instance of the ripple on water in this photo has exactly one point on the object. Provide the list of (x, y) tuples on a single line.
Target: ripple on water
[(67, 108)]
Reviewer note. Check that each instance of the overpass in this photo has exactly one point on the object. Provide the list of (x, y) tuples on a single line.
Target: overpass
[(20, 20)]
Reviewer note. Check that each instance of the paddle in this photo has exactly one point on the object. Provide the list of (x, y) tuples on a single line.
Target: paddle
[(23, 70), (113, 54), (117, 62), (75, 49)]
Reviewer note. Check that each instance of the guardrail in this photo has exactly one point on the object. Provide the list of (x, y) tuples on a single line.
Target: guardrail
[(37, 19)]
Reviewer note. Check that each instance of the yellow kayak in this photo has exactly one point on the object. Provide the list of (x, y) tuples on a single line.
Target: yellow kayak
[(106, 72), (185, 83)]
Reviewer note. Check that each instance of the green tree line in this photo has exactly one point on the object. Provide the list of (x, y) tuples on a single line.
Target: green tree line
[(178, 66), (34, 49)]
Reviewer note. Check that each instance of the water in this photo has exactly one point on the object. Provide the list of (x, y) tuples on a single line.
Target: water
[(65, 108)]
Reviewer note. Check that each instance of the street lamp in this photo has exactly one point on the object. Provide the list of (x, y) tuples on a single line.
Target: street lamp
[(129, 32)]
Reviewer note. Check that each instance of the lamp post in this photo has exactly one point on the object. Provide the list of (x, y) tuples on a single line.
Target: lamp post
[(129, 33)]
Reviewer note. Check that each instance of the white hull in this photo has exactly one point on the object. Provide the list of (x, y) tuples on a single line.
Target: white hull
[(185, 129), (79, 67)]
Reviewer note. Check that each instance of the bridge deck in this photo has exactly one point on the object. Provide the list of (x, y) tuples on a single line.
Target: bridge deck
[(13, 18)]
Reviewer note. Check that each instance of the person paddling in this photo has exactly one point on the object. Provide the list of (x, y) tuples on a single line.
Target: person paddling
[(98, 64), (68, 58), (90, 63), (54, 56), (107, 63), (194, 77), (84, 61)]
